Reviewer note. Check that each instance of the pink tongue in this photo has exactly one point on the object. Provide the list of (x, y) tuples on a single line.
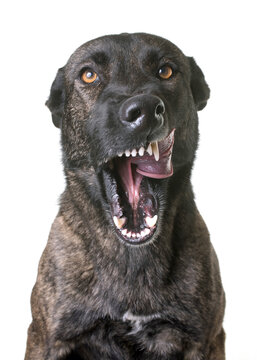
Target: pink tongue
[(131, 180), (155, 169)]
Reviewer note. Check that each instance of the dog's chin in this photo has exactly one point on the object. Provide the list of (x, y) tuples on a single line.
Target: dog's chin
[(133, 187)]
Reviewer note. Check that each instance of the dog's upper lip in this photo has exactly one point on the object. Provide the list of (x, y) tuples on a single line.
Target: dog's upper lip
[(151, 151), (132, 169), (157, 168)]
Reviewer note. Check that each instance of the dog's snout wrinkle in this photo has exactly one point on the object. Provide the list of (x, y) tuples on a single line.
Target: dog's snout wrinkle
[(142, 112)]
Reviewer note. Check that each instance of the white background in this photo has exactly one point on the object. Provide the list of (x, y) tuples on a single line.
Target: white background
[(37, 38)]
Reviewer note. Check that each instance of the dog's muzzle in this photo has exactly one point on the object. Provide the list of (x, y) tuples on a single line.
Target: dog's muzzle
[(142, 113)]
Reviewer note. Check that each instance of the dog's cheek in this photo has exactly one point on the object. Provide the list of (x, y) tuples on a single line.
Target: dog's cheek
[(183, 116), (75, 144)]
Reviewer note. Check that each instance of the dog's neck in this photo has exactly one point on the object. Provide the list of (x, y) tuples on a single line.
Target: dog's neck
[(113, 259)]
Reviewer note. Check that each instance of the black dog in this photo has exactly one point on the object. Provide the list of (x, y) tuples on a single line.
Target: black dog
[(129, 271)]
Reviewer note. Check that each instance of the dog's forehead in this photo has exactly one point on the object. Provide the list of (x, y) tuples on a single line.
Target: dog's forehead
[(137, 46)]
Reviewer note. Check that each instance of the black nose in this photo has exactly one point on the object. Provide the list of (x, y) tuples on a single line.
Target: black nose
[(142, 112)]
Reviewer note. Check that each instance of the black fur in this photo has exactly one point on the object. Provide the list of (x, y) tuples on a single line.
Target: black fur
[(97, 297)]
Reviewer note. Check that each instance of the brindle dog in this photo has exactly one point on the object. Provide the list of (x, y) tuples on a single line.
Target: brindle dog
[(128, 271)]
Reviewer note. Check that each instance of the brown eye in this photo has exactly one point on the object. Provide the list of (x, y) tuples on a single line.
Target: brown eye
[(89, 76), (165, 72)]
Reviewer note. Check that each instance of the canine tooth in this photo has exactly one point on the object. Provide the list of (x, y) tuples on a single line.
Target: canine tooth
[(133, 235), (124, 232), (141, 151), (156, 150), (129, 234), (138, 235), (149, 149), (120, 154), (151, 221), (134, 152), (119, 222), (127, 153)]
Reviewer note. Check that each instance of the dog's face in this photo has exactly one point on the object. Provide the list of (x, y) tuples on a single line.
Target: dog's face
[(127, 108)]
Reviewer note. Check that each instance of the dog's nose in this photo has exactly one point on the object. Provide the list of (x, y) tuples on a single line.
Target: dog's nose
[(142, 112)]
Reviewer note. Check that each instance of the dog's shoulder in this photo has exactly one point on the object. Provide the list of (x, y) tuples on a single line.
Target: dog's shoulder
[(64, 259)]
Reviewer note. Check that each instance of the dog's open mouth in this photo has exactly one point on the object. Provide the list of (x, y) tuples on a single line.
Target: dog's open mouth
[(134, 204)]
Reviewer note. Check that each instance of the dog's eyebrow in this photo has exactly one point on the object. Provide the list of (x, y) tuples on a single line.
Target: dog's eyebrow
[(151, 55), (100, 58)]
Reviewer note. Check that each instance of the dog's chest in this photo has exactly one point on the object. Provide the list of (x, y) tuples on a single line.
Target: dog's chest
[(154, 334), (138, 321)]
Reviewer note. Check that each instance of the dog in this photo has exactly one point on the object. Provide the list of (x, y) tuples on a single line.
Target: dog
[(129, 271)]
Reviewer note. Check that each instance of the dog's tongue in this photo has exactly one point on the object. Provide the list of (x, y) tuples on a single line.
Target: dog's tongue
[(154, 169), (132, 169)]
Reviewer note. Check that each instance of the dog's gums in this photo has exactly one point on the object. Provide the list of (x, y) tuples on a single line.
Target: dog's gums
[(134, 203)]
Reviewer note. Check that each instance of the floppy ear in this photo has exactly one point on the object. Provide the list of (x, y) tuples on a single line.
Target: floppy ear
[(199, 87), (55, 102)]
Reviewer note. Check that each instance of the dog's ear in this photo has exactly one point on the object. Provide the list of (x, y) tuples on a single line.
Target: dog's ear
[(55, 102), (199, 87)]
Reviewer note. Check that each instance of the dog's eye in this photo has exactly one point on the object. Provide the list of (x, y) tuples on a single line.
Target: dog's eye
[(165, 72), (89, 76)]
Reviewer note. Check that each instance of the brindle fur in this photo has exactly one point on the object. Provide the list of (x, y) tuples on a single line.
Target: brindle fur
[(87, 278)]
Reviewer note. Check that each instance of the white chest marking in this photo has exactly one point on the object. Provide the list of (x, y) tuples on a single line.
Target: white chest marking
[(137, 321)]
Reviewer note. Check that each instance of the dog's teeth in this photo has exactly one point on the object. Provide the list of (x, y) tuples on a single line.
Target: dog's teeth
[(141, 151), (127, 153), (129, 234), (147, 231), (151, 221), (133, 235), (138, 235), (134, 152), (124, 232), (156, 150), (143, 232), (120, 154), (119, 222), (149, 149)]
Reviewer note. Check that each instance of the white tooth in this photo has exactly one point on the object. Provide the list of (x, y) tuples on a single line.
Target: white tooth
[(172, 134), (141, 151), (133, 235), (147, 231), (124, 232), (119, 222), (156, 150), (149, 149), (151, 221), (134, 152), (127, 153), (129, 234), (142, 233), (138, 235), (120, 154)]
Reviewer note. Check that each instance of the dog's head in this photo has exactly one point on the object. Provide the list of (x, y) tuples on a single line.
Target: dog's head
[(127, 108)]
